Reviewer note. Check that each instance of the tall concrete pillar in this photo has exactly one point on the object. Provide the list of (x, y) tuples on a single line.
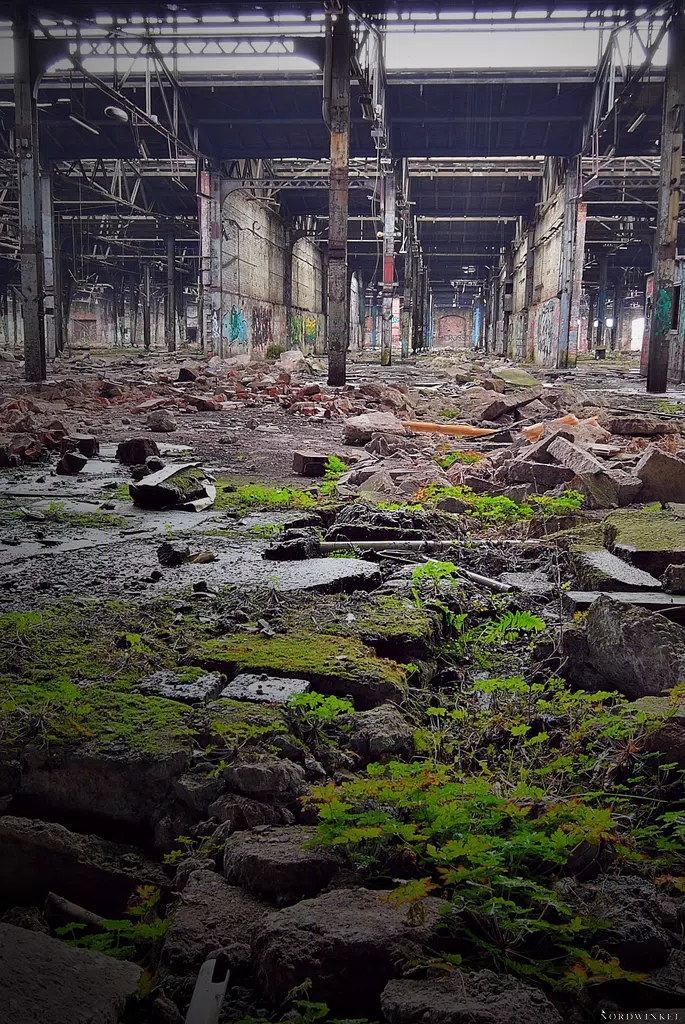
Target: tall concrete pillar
[(170, 303), (600, 347), (51, 291), (389, 196), (146, 305), (209, 327), (528, 291), (664, 316), (415, 297), (288, 280), (338, 198), (30, 224)]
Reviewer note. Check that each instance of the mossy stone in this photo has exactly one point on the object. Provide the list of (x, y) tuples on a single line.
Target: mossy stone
[(335, 665)]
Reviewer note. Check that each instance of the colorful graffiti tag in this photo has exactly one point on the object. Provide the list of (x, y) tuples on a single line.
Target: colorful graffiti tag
[(303, 330), (234, 326), (547, 327), (262, 335)]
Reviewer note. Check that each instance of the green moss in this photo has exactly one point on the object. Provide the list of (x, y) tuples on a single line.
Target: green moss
[(185, 483), (588, 537), (122, 493), (236, 722), (648, 529), (113, 644), (57, 513), (394, 626), (339, 665), (66, 715), (246, 497)]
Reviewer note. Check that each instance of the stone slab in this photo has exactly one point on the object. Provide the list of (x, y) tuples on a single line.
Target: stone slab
[(618, 570), (578, 600), (44, 981), (263, 688), (172, 686)]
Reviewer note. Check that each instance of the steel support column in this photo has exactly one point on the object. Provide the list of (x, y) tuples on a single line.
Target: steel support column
[(577, 292), (389, 195), (51, 305), (170, 304), (619, 313), (592, 301), (338, 201), (600, 348), (415, 297), (30, 226), (664, 317), (288, 280)]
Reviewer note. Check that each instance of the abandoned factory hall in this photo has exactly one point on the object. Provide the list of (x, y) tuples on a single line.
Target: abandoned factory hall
[(342, 512)]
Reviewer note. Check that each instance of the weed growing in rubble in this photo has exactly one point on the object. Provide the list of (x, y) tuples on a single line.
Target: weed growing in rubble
[(335, 467), (493, 852), (501, 511), (312, 717), (128, 939), (450, 458), (57, 512), (246, 497)]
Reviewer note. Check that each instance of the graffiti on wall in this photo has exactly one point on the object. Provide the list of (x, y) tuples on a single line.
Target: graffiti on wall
[(262, 335), (452, 332), (546, 334), (303, 330), (234, 326)]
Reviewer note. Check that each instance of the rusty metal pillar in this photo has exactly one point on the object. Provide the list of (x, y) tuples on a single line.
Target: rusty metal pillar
[(389, 197), (30, 226), (338, 327), (664, 316)]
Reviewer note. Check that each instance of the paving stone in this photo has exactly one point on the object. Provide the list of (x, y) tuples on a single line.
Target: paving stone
[(263, 688), (44, 981), (536, 582), (174, 687), (639, 425)]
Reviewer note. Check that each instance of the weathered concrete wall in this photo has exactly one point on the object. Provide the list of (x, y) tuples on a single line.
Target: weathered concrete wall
[(453, 329), (534, 335), (254, 263)]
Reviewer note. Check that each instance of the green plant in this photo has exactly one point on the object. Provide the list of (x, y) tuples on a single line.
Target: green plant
[(269, 531), (335, 467), (126, 939), (311, 716), (199, 846), (501, 511), (467, 458), (273, 351), (303, 1011)]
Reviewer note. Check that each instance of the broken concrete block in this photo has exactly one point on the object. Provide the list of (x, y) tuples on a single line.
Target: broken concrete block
[(573, 457), (135, 450), (537, 452), (86, 444), (172, 555), (212, 915), (360, 429), (43, 979), (651, 539), (461, 998), (306, 463), (263, 688), (187, 373), (638, 425), (605, 568), (674, 579), (544, 475), (174, 686), (278, 862), (516, 376), (173, 487), (608, 488), (662, 475), (162, 421), (499, 405), (37, 857), (624, 648), (71, 463)]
